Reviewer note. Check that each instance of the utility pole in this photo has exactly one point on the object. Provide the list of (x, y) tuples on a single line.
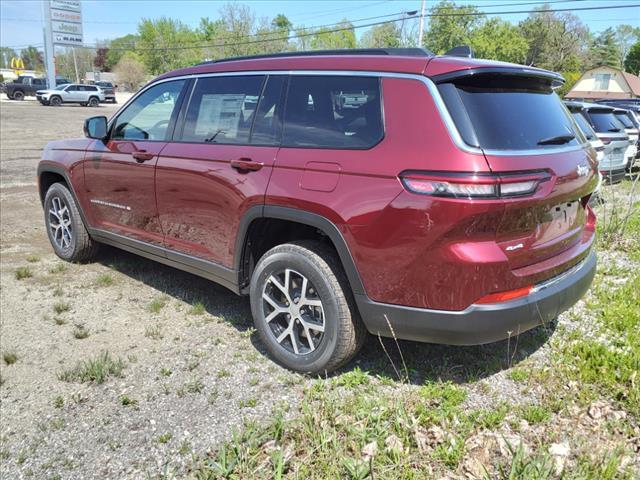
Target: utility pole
[(48, 46), (75, 64), (421, 30)]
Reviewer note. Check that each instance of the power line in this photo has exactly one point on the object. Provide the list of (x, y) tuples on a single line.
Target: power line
[(353, 27)]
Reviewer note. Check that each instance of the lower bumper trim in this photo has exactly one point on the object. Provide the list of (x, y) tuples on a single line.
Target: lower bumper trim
[(479, 324)]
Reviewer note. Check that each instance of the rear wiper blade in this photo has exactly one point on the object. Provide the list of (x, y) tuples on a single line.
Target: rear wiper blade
[(557, 140)]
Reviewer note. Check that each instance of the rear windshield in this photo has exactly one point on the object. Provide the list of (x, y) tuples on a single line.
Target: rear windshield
[(584, 125), (624, 119), (505, 112), (605, 121)]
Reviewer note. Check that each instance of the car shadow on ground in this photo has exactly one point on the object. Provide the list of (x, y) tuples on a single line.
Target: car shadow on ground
[(401, 361)]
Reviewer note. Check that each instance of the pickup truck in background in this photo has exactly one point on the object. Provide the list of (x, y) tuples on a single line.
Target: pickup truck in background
[(28, 86)]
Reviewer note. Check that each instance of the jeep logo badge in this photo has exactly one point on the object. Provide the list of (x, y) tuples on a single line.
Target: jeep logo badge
[(582, 170)]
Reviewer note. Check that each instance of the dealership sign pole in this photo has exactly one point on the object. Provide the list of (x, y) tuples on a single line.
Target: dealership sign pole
[(62, 26)]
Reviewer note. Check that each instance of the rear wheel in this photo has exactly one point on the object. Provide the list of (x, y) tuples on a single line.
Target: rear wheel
[(303, 309), (67, 233), (18, 95), (94, 102), (55, 101)]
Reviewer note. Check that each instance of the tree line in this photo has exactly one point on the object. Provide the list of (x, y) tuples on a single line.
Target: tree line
[(557, 41)]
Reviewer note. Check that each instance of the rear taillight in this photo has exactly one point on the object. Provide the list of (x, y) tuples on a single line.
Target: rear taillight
[(473, 185)]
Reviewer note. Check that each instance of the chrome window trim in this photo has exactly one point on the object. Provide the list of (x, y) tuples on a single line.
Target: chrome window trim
[(431, 87)]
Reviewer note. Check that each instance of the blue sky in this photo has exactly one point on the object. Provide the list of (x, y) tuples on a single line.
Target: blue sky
[(21, 20)]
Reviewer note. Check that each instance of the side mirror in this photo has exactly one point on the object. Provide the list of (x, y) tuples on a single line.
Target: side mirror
[(96, 127)]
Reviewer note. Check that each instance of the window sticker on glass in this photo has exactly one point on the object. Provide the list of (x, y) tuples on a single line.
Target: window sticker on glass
[(219, 113)]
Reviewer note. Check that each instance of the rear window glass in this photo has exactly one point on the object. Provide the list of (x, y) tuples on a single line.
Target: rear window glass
[(604, 121), (624, 119), (502, 112), (333, 112), (584, 125)]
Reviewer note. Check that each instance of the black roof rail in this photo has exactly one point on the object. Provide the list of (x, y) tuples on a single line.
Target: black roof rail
[(460, 51), (408, 52)]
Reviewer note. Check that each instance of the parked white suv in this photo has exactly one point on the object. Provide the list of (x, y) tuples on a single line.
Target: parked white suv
[(85, 95)]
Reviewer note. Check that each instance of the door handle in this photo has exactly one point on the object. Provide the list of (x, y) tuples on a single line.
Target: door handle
[(142, 156), (246, 165)]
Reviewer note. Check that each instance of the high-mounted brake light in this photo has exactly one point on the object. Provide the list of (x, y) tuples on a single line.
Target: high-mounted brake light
[(473, 185)]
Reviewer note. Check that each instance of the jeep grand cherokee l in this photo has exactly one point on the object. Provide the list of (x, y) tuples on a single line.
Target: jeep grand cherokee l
[(431, 198)]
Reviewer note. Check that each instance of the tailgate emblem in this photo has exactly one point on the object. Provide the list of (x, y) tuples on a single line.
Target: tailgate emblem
[(582, 170), (511, 248)]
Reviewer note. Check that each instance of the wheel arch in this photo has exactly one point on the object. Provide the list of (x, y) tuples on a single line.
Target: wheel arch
[(48, 174), (307, 221)]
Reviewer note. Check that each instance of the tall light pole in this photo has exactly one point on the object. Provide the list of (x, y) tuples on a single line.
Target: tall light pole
[(421, 30), (48, 46)]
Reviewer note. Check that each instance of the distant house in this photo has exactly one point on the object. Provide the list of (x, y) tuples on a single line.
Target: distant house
[(605, 83)]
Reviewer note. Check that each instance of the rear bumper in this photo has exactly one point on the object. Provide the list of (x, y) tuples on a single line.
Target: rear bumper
[(479, 324)]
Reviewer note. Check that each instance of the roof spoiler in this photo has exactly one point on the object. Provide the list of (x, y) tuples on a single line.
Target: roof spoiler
[(460, 51)]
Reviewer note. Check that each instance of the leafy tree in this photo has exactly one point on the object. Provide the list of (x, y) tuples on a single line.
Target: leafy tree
[(117, 48), (6, 54), (446, 32), (632, 61), (327, 38), (570, 79), (626, 37), (160, 41), (381, 36), (499, 40), (66, 67), (557, 41), (100, 61), (281, 23), (130, 72), (32, 58), (605, 50)]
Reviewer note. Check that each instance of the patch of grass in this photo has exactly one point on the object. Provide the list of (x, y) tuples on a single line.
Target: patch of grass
[(59, 268), (57, 292), (194, 385), (80, 331), (197, 308), (157, 304), (353, 379), (104, 280), (58, 402), (248, 403), (33, 258), (164, 438), (127, 401), (154, 332), (535, 414), (10, 357), (165, 372), (59, 320), (61, 307), (94, 370), (22, 273), (519, 374), (223, 372)]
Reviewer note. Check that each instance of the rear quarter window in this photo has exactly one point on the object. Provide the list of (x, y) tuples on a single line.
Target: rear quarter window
[(507, 112), (341, 112)]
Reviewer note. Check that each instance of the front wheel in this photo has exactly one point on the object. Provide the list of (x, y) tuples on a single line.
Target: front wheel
[(65, 228), (303, 309), (55, 101)]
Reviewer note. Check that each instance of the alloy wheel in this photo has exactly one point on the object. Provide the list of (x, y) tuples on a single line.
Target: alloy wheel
[(60, 223), (293, 311)]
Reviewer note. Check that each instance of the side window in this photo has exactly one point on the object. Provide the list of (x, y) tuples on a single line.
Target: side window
[(333, 112), (222, 109), (71, 88), (149, 115), (267, 126)]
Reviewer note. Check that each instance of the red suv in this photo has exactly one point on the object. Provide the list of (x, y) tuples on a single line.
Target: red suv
[(431, 198)]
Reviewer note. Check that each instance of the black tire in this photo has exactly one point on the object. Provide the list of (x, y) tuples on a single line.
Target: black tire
[(94, 102), (79, 246), (343, 333), (9, 97), (55, 101), (18, 95)]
